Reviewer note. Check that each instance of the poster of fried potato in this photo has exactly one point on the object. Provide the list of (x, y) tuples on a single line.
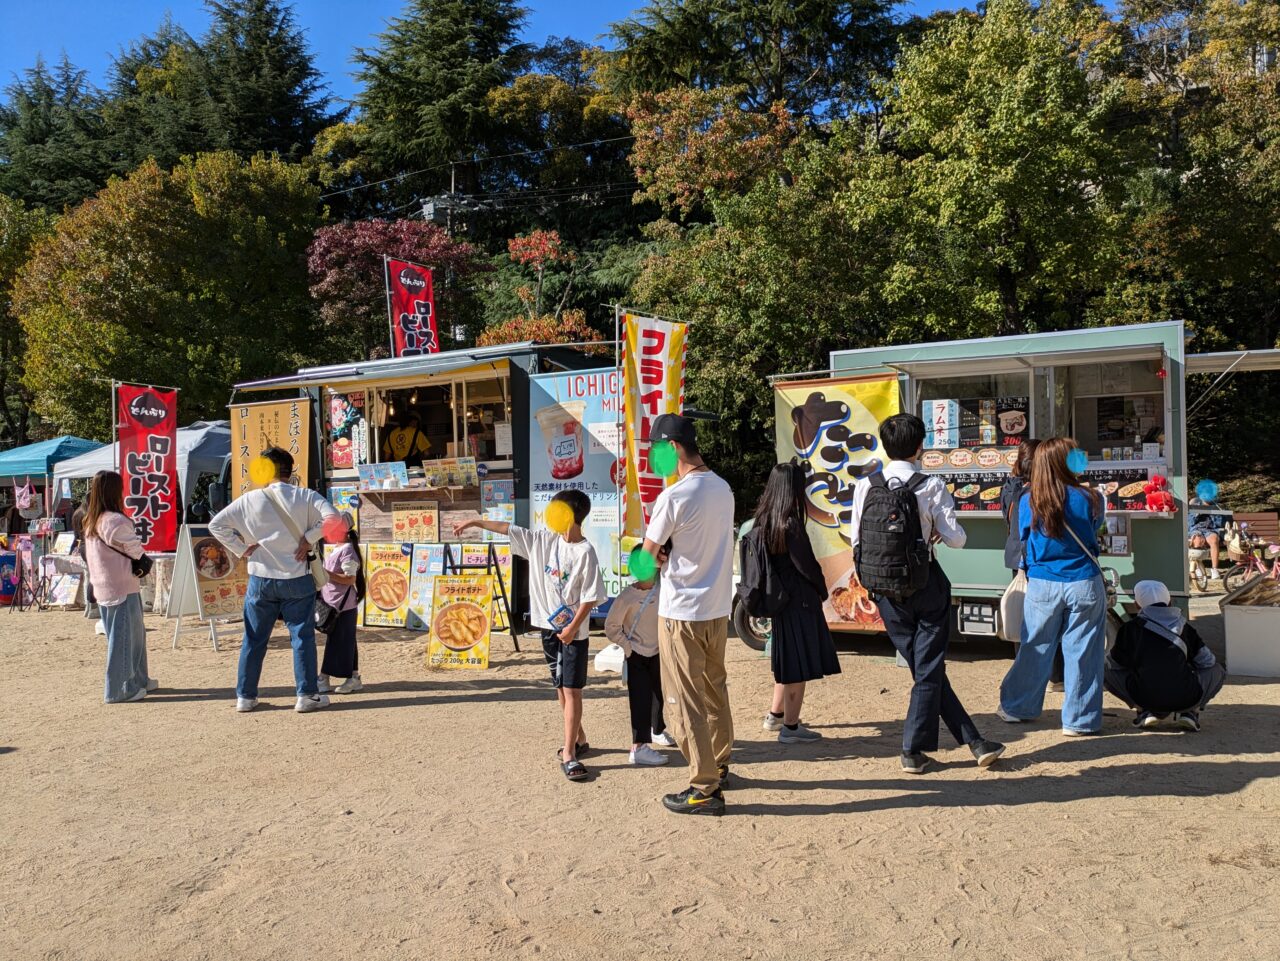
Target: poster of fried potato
[(461, 619), (831, 426), (386, 574)]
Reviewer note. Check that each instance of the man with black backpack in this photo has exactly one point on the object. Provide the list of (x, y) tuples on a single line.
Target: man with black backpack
[(898, 514)]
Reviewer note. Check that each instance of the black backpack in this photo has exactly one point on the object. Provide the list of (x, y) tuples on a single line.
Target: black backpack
[(759, 590), (892, 559)]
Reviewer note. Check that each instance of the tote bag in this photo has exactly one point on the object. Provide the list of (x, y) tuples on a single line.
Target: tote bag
[(1011, 604)]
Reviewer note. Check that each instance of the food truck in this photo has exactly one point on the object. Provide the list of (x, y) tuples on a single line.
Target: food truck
[(411, 445), (1119, 391)]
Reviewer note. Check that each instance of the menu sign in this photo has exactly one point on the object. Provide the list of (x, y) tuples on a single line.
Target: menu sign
[(979, 491), (975, 422), (387, 571), (417, 522), (461, 619), (1123, 486), (221, 579)]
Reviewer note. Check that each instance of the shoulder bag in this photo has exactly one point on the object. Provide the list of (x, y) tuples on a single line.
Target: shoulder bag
[(1012, 603), (327, 615), (314, 562), (140, 567)]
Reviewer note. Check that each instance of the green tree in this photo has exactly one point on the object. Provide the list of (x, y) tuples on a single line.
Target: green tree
[(816, 56), (20, 228), (424, 101), (194, 278), (51, 137)]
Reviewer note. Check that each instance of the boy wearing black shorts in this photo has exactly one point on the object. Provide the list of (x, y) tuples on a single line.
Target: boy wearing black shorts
[(564, 585)]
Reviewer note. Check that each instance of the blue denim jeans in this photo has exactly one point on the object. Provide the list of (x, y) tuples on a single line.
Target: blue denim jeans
[(1072, 616), (126, 650), (266, 600)]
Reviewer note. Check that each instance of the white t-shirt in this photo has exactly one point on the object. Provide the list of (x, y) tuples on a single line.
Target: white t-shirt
[(696, 514), (560, 574)]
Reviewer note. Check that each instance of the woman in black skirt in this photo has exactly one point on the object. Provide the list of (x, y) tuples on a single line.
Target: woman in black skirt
[(344, 592), (802, 649)]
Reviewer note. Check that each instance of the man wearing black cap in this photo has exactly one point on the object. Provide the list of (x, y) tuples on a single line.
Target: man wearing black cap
[(695, 516)]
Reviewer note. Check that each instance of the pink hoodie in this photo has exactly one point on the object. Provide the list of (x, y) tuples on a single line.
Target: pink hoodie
[(111, 574)]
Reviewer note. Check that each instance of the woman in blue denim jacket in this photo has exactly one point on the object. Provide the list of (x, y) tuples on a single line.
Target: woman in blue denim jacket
[(1066, 600)]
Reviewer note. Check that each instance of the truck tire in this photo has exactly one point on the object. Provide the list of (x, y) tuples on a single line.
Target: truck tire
[(754, 631)]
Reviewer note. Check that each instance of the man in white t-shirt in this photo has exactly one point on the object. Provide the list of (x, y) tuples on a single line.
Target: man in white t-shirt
[(694, 516)]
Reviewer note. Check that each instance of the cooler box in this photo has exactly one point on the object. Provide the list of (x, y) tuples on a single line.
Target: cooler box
[(1251, 618)]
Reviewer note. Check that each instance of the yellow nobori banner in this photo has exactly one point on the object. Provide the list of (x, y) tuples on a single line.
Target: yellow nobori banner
[(653, 357)]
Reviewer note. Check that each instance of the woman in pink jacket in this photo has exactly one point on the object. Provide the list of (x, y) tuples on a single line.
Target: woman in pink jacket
[(110, 548)]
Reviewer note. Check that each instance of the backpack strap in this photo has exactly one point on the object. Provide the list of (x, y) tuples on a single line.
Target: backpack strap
[(877, 479), (916, 481)]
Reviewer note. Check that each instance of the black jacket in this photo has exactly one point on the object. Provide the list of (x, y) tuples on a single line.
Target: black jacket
[(1164, 679)]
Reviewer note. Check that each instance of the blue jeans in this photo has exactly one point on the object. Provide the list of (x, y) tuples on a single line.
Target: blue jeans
[(1072, 615), (126, 650), (266, 600)]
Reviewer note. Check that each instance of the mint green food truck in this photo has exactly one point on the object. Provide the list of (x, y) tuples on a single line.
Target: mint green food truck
[(1119, 391)]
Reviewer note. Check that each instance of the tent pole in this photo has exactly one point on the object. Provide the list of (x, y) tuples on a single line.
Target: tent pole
[(115, 436)]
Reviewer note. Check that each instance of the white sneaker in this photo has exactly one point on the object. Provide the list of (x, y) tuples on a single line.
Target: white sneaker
[(801, 735), (246, 704), (772, 725), (350, 685), (100, 628), (645, 756), (137, 697), (313, 702), (1214, 575), (664, 739), (1008, 718), (323, 685)]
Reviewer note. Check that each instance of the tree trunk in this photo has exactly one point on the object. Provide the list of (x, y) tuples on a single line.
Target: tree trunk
[(1011, 313)]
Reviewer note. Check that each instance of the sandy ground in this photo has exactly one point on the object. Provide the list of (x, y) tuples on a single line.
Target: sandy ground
[(426, 818)]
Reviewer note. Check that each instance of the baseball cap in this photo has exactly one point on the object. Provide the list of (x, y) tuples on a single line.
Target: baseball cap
[(1147, 593), (673, 427)]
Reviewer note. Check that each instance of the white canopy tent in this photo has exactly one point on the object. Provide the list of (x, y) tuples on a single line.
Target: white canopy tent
[(203, 448)]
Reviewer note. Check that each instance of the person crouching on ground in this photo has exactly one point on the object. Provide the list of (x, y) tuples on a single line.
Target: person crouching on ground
[(802, 649), (276, 528), (917, 615), (564, 585), (344, 592), (1159, 666), (632, 624)]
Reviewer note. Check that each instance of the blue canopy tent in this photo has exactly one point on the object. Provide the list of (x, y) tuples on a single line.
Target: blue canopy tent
[(36, 461)]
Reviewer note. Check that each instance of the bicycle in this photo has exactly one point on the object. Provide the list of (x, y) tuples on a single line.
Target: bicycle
[(1256, 555)]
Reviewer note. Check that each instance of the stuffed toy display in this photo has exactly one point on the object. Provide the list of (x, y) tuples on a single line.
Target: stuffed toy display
[(1159, 497)]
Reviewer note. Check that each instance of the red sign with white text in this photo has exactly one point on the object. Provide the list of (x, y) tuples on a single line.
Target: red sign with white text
[(412, 303), (147, 428)]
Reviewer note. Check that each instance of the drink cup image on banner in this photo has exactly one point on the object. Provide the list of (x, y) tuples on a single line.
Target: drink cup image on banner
[(831, 426), (653, 369)]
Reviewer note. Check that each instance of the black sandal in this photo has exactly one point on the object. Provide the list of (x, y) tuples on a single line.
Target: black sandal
[(581, 749), (574, 770)]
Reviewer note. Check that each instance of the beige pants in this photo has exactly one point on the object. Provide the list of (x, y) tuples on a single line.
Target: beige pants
[(697, 693)]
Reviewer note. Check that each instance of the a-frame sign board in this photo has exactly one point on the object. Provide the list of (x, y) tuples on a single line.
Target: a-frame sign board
[(208, 583)]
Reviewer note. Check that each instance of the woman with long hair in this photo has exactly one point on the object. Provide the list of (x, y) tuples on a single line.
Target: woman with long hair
[(1066, 599), (344, 592), (802, 649), (110, 547)]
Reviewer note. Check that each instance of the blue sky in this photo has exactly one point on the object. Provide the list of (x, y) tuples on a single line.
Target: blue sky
[(92, 31)]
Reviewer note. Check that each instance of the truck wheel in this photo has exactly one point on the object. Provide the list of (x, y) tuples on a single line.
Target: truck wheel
[(754, 631)]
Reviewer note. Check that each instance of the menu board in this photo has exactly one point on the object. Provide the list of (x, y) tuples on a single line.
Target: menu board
[(451, 472), (386, 571), (348, 431), (976, 491), (416, 521), (1122, 486), (965, 459), (345, 498), (428, 564), (461, 619), (975, 422), (221, 579)]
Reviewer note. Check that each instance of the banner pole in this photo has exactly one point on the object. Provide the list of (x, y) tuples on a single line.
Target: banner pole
[(115, 427), (386, 282), (619, 483)]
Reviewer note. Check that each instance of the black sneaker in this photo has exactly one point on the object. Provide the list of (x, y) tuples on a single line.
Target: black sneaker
[(1147, 720), (915, 762), (1187, 720), (725, 783), (693, 801), (986, 752)]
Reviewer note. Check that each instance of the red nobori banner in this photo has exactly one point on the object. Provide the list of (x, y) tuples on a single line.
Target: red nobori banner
[(147, 429), (412, 304), (653, 363)]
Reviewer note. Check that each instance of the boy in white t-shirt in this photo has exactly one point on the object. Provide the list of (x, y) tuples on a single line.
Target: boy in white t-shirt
[(564, 585)]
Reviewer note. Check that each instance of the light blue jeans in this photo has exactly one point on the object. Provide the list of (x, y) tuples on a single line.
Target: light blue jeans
[(267, 600), (126, 650), (1073, 615)]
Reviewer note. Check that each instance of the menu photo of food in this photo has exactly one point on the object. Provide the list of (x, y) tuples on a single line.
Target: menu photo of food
[(976, 491), (1013, 417), (221, 579), (417, 522), (849, 605), (461, 619), (386, 571)]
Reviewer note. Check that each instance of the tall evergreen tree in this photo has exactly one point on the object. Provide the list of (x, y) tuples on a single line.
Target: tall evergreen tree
[(51, 150)]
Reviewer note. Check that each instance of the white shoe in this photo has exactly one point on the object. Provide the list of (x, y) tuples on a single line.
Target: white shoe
[(801, 735), (1009, 718), (645, 756), (772, 725), (246, 704), (313, 702), (322, 684), (351, 685), (1214, 575), (100, 628), (137, 697), (664, 739), (152, 684)]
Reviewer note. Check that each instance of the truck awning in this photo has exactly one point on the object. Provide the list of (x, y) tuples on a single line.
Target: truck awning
[(1234, 361), (1015, 362)]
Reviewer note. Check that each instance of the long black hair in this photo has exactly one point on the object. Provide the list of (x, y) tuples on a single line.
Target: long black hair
[(781, 503), (353, 538)]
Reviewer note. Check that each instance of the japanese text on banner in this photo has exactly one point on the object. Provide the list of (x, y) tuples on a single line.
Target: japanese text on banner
[(147, 422), (411, 300), (653, 359), (279, 423)]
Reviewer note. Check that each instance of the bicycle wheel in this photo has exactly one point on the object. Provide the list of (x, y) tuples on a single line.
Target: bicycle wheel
[(1235, 578), (1200, 577)]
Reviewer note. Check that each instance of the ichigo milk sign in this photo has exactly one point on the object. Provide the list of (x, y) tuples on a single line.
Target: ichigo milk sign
[(147, 426), (412, 305)]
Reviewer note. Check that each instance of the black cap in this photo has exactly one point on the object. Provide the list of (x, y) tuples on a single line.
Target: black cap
[(673, 427)]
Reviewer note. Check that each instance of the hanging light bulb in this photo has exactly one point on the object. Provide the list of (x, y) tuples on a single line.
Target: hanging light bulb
[(413, 398), (391, 405)]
